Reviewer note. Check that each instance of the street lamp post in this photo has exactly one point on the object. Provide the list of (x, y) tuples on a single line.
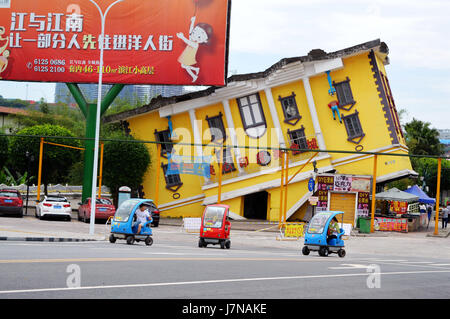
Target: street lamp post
[(97, 122)]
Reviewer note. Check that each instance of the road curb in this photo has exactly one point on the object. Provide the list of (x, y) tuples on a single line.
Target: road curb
[(46, 239)]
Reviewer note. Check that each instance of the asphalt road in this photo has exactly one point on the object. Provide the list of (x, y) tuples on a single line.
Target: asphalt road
[(175, 268)]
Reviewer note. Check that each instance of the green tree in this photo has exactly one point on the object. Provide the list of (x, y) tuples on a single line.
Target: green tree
[(427, 167), (124, 163), (56, 161), (61, 114), (3, 150), (421, 139)]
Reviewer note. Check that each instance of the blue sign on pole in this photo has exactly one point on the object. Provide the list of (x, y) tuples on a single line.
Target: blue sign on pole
[(311, 184)]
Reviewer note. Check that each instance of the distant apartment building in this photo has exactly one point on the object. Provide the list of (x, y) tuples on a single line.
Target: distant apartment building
[(134, 94), (444, 138)]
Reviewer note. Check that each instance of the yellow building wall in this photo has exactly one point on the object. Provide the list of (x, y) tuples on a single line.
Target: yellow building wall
[(302, 105), (187, 210), (371, 116), (386, 164), (362, 83), (143, 128), (382, 69)]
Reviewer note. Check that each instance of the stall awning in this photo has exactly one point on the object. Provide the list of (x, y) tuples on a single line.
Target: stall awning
[(395, 194), (423, 197)]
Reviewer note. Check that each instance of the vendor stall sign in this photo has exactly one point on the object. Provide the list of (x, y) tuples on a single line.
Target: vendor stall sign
[(363, 204), (360, 184), (391, 224), (342, 183), (325, 183), (313, 200), (322, 203), (294, 230), (347, 183), (399, 207)]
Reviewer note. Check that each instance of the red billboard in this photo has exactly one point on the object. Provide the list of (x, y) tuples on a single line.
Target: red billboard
[(179, 42)]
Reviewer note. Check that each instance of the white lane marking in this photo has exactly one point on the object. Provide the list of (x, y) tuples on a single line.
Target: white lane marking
[(351, 266), (389, 260), (162, 284), (439, 264)]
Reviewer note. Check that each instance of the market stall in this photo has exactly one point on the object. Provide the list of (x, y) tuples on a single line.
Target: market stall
[(397, 210), (423, 197)]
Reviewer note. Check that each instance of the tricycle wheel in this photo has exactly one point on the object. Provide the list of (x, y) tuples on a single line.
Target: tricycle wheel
[(305, 251), (341, 253), (112, 239), (130, 240), (148, 241), (201, 243), (222, 244), (323, 251), (228, 244)]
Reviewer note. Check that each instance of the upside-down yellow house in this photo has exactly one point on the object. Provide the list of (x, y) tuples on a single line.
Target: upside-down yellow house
[(339, 101)]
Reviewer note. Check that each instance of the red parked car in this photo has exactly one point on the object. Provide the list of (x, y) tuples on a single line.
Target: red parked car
[(104, 209), (11, 202)]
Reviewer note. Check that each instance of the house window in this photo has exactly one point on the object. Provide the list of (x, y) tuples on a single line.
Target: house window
[(290, 109), (344, 94), (228, 164), (251, 111), (217, 128), (164, 136), (172, 180), (297, 140), (353, 127)]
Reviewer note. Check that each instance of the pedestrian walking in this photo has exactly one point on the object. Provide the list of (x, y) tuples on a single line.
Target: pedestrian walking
[(445, 217), (429, 211), (422, 208)]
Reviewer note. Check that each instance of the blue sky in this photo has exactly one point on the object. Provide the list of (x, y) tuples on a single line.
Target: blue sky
[(265, 31)]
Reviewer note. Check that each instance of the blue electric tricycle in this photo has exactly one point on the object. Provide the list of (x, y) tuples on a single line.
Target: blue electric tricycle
[(317, 237), (122, 226)]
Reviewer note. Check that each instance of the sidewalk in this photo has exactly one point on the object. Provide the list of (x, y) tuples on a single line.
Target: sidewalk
[(31, 229)]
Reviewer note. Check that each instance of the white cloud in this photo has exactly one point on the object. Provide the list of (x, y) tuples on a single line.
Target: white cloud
[(415, 31)]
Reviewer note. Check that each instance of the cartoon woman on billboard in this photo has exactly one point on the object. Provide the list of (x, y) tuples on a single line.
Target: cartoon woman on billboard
[(199, 34)]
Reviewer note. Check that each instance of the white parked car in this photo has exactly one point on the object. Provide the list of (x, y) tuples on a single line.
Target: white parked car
[(54, 206)]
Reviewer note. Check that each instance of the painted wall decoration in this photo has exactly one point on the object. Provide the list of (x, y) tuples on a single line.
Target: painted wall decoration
[(197, 165), (332, 90), (243, 161), (334, 106), (263, 158), (146, 42)]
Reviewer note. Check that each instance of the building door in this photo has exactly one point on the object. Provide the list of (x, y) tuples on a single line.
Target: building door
[(255, 205), (344, 202)]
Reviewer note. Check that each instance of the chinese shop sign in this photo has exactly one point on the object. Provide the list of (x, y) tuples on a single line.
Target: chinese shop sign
[(177, 42)]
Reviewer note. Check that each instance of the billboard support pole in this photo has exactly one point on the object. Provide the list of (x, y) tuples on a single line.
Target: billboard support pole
[(89, 112)]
